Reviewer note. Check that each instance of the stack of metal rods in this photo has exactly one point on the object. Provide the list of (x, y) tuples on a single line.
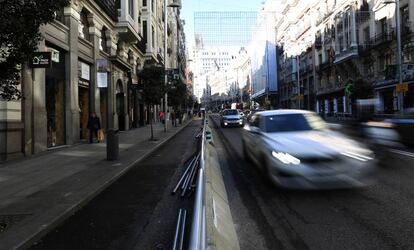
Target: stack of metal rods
[(186, 183), (180, 230)]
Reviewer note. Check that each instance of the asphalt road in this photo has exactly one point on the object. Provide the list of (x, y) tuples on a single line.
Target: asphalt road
[(377, 217), (137, 211)]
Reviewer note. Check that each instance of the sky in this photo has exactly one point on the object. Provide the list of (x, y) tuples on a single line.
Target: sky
[(191, 6)]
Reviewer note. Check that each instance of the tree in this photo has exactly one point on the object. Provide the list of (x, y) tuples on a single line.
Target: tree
[(177, 94), (152, 86), (19, 37)]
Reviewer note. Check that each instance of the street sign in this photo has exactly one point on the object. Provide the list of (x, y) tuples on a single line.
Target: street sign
[(401, 87), (41, 60)]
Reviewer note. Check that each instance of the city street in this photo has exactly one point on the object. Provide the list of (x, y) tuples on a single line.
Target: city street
[(266, 217), (137, 211)]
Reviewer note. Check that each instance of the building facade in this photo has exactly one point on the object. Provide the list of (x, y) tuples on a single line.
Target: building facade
[(263, 54), (341, 51), (98, 47)]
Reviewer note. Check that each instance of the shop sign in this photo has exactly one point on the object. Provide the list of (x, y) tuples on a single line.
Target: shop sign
[(41, 60), (55, 55), (85, 71), (102, 79), (402, 87), (103, 65)]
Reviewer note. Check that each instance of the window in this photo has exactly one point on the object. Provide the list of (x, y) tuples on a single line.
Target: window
[(131, 8), (366, 35), (83, 27), (144, 3), (383, 23), (152, 5), (103, 40), (293, 122), (145, 31), (405, 20), (59, 16), (153, 37)]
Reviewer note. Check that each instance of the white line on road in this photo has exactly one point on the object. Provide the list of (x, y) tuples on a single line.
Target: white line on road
[(409, 154)]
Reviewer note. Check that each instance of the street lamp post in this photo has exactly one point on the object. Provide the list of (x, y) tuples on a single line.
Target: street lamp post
[(399, 53), (173, 5)]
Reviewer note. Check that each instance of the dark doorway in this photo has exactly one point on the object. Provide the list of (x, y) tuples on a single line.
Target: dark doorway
[(84, 111), (55, 100), (120, 106)]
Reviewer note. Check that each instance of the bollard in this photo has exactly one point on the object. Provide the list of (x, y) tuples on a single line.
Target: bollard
[(209, 136), (112, 145)]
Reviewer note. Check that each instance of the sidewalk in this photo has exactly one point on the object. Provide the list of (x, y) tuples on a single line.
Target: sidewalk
[(37, 193)]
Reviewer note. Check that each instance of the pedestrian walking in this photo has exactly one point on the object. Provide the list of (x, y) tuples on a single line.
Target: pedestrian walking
[(180, 117), (94, 125), (162, 115)]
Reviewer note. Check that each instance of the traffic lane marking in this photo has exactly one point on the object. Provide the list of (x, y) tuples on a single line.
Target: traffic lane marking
[(405, 153)]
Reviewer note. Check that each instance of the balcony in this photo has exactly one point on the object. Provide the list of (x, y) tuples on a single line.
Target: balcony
[(323, 66), (127, 25), (142, 44), (363, 16), (322, 18), (318, 42), (345, 54), (391, 72), (365, 47), (109, 7), (406, 29), (382, 38)]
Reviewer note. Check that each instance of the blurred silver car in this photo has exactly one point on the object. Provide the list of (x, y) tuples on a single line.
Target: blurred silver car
[(231, 117), (297, 150)]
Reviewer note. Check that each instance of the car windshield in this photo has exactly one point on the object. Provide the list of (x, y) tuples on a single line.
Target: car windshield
[(230, 112), (293, 122)]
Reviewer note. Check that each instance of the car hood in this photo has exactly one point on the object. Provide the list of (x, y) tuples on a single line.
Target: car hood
[(231, 117), (314, 144)]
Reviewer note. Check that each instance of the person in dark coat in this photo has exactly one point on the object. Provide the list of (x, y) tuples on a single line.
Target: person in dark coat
[(94, 125)]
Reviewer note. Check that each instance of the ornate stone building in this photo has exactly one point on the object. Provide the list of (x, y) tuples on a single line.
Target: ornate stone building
[(98, 47)]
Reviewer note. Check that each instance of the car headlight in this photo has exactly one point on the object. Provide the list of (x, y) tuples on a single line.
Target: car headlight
[(286, 158)]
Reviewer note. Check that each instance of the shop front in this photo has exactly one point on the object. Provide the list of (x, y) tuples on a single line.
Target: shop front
[(390, 96), (84, 100), (103, 76), (334, 104), (55, 98)]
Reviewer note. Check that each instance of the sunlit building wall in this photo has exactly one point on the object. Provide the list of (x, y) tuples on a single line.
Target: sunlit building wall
[(262, 50)]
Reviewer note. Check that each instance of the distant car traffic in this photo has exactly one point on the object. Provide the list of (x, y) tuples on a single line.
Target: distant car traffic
[(296, 149), (404, 125), (231, 117)]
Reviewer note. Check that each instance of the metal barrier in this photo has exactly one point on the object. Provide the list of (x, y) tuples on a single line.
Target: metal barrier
[(198, 227)]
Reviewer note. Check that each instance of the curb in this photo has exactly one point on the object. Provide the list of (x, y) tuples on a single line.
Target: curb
[(219, 220), (45, 229)]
